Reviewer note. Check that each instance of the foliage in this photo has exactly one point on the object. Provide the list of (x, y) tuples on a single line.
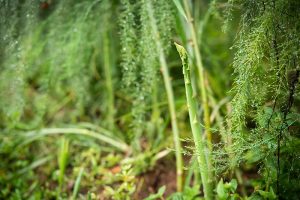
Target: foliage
[(188, 193), (127, 186), (224, 191), (200, 146), (140, 55), (158, 195), (63, 161), (93, 100), (266, 87)]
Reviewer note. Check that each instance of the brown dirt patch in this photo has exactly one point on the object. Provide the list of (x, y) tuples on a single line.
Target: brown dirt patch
[(164, 173)]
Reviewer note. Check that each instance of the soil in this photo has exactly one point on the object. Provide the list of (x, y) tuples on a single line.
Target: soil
[(164, 173)]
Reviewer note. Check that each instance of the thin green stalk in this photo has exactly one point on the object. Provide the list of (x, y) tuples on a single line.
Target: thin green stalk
[(108, 80), (201, 74), (191, 170), (62, 162), (77, 184), (170, 96), (207, 180)]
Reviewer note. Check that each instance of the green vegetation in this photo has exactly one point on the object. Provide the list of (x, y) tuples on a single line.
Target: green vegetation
[(96, 101), (200, 147)]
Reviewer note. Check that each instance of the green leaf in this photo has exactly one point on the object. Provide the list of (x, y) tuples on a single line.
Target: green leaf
[(158, 195), (77, 184), (221, 191), (233, 185), (191, 192), (235, 197), (254, 155), (63, 159), (176, 196), (180, 8), (267, 195)]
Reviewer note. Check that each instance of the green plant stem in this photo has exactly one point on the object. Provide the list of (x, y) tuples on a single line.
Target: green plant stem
[(62, 162), (108, 80), (207, 180), (191, 170), (170, 96), (77, 184), (201, 74)]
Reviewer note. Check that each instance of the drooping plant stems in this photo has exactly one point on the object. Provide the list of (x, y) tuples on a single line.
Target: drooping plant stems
[(170, 96), (202, 156), (200, 68)]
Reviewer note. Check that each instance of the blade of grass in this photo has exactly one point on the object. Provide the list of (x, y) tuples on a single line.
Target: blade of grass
[(191, 169), (77, 183), (96, 128), (34, 135), (32, 166), (62, 162), (180, 8)]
